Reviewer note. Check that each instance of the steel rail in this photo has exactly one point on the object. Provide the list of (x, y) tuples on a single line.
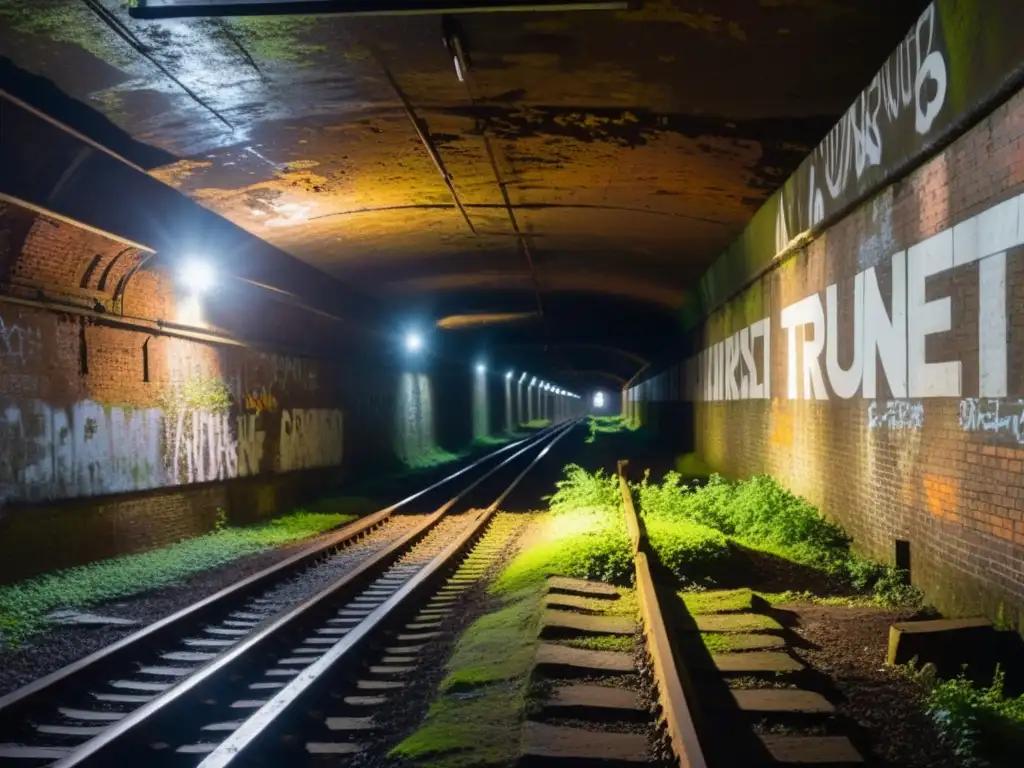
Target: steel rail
[(670, 680), (236, 747), (99, 750), (199, 611)]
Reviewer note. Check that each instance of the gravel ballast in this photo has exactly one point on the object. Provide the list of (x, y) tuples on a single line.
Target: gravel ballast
[(62, 645), (849, 646)]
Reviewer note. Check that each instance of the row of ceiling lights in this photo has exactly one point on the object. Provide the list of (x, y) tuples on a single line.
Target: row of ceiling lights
[(414, 344), (200, 277)]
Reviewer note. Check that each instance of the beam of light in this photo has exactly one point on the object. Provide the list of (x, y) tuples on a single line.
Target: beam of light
[(481, 368), (508, 375), (523, 377)]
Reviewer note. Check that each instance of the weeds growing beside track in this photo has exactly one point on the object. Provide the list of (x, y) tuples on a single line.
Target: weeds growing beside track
[(24, 606), (608, 425), (762, 515), (984, 727)]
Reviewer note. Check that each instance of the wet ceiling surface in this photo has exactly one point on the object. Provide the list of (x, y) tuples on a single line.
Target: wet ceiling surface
[(598, 161)]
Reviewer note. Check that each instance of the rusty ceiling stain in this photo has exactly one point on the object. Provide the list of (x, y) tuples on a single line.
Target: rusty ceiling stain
[(633, 147)]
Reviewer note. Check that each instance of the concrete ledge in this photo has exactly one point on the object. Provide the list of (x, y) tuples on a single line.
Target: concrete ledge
[(941, 641)]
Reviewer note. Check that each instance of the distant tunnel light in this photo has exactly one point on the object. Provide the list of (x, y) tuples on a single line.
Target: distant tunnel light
[(481, 368), (533, 381), (508, 375), (413, 342), (197, 275), (599, 399)]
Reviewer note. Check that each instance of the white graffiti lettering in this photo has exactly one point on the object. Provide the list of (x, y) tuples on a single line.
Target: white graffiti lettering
[(896, 415), (909, 90), (1000, 417), (250, 445), (890, 332), (310, 438), (82, 450), (18, 343)]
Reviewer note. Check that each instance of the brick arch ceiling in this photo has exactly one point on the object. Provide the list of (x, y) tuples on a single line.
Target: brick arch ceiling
[(597, 161)]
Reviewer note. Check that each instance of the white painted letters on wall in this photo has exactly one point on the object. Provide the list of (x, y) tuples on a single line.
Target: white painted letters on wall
[(885, 335), (806, 312), (890, 333), (924, 318), (845, 382)]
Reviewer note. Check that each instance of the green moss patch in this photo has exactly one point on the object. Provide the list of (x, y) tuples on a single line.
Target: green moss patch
[(24, 606), (499, 646), (717, 642), (276, 38), (476, 720), (67, 21), (601, 643), (717, 601), (484, 697), (474, 730)]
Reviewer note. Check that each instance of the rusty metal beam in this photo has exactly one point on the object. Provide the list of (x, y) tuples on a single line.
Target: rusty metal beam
[(164, 9), (428, 144)]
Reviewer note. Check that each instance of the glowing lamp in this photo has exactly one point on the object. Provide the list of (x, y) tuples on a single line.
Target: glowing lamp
[(413, 342), (198, 275)]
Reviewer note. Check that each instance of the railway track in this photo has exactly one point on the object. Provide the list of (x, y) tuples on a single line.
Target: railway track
[(83, 713)]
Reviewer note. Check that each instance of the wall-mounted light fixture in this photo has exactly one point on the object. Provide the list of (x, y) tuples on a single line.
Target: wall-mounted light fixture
[(198, 275), (413, 342)]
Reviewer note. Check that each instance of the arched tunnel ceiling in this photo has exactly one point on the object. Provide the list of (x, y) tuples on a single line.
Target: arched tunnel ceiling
[(633, 146)]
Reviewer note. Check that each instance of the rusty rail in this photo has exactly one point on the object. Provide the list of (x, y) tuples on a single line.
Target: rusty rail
[(667, 677)]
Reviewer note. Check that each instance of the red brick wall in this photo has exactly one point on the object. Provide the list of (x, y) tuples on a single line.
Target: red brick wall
[(116, 435), (934, 455)]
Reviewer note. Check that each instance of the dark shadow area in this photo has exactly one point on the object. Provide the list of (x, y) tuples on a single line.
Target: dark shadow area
[(42, 94)]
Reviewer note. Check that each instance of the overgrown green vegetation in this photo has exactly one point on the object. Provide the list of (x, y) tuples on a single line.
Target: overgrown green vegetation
[(24, 606), (433, 457), (688, 549), (983, 726), (691, 466), (608, 425), (761, 514), (537, 423), (493, 440), (691, 551)]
